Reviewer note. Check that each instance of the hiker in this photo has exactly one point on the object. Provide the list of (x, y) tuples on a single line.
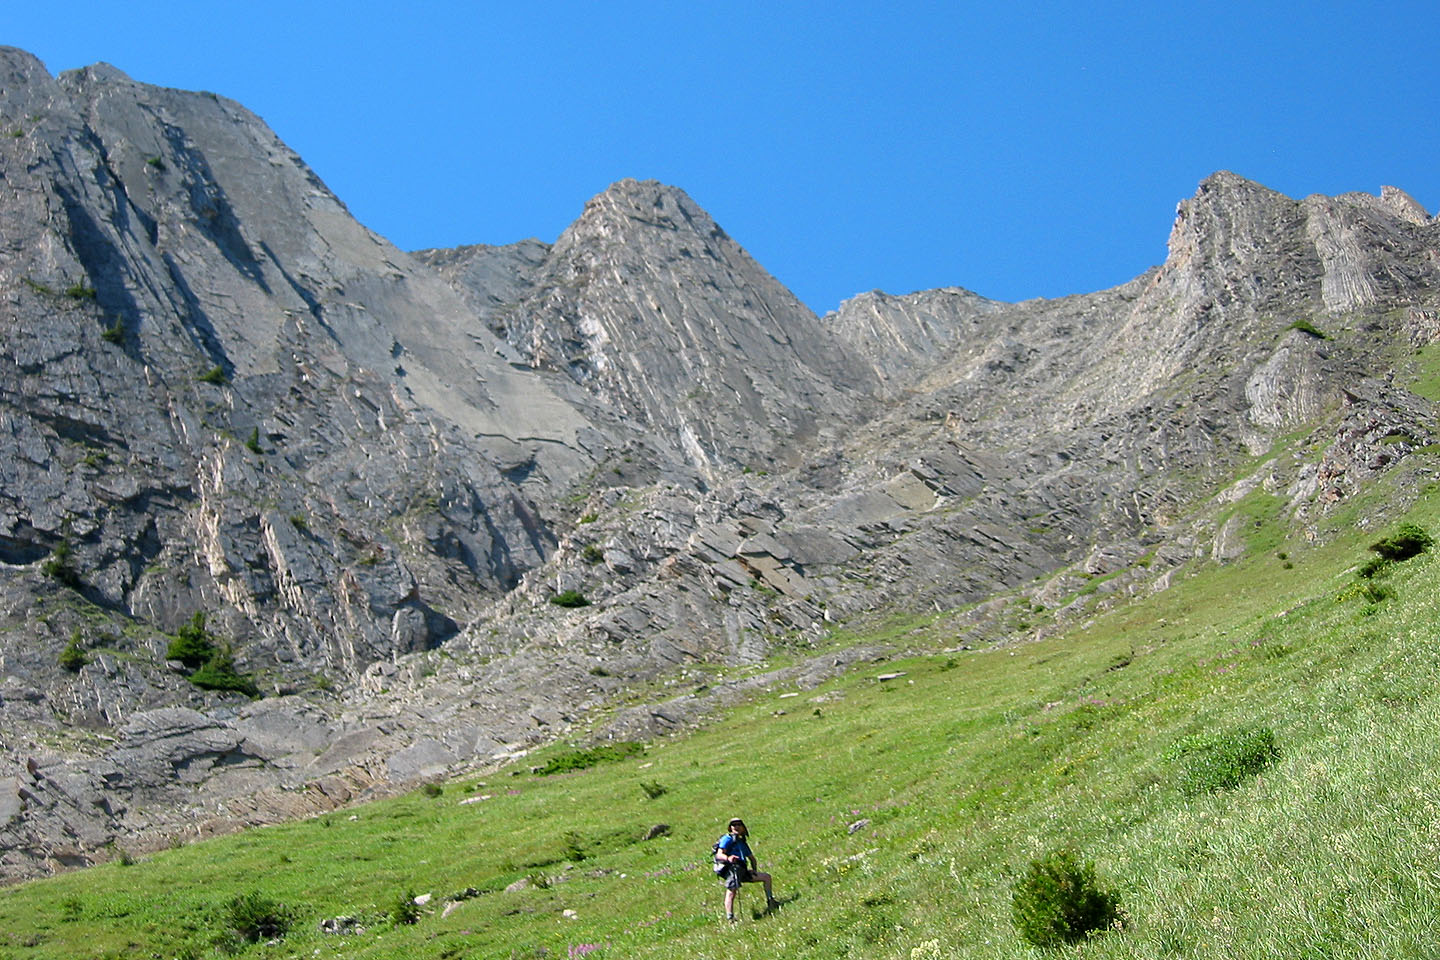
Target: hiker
[(739, 866)]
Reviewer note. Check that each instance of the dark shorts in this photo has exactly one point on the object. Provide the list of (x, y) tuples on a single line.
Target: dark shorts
[(736, 874)]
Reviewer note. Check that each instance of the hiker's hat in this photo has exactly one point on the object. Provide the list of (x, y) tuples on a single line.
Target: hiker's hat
[(735, 820)]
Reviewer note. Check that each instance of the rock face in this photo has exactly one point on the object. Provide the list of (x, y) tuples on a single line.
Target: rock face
[(371, 471)]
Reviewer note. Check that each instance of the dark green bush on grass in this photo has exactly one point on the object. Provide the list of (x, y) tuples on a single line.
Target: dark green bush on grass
[(1060, 901), (574, 845), (1408, 540), (1373, 567), (570, 598), (252, 918), (405, 910), (1219, 761), (581, 759)]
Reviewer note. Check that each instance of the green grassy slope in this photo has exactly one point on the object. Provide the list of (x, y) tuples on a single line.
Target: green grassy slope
[(966, 768)]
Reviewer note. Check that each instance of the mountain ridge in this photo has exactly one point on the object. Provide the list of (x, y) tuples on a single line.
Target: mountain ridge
[(371, 471)]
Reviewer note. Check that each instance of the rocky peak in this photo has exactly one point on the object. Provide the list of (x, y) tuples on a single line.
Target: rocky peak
[(667, 324), (1404, 206)]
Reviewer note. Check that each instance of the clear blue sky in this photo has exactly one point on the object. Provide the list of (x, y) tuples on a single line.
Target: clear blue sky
[(1018, 149)]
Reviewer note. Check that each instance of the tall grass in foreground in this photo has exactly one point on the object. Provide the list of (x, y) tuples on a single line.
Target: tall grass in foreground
[(898, 816)]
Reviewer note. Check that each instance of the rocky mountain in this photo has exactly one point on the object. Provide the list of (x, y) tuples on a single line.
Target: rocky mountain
[(360, 478)]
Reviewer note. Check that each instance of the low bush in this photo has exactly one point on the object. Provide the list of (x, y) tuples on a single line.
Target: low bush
[(191, 644), (1306, 327), (574, 845), (1408, 540), (592, 554), (215, 375), (219, 673), (114, 333), (581, 759), (1373, 567), (1210, 762), (72, 658), (1060, 901), (60, 566), (405, 910), (252, 918), (570, 598), (654, 790)]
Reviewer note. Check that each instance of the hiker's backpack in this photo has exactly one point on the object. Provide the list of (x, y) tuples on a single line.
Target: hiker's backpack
[(720, 865)]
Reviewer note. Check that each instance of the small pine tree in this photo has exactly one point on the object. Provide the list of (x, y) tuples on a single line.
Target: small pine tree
[(191, 644), (1408, 540), (72, 658), (1059, 901)]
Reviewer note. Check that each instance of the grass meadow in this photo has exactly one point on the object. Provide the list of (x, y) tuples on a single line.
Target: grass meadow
[(897, 815)]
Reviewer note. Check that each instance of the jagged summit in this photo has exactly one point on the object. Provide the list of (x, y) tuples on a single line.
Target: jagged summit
[(666, 323)]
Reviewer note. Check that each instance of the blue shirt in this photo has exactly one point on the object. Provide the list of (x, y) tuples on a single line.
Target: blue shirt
[(732, 845)]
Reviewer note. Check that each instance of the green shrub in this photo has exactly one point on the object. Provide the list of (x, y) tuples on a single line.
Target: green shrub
[(72, 658), (592, 554), (78, 291), (60, 566), (1059, 901), (215, 375), (253, 918), (570, 599), (115, 333), (71, 909), (432, 789), (191, 644), (1305, 326), (1375, 592), (581, 759), (1407, 541), (574, 846), (1211, 762), (405, 910), (1373, 567), (219, 673), (654, 790), (252, 442)]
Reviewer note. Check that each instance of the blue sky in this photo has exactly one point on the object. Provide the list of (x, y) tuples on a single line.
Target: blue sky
[(1020, 150)]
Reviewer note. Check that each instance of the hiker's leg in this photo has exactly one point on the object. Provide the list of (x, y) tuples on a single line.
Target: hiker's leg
[(765, 879), (730, 902)]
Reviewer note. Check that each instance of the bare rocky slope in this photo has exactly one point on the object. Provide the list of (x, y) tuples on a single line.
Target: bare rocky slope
[(371, 472)]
